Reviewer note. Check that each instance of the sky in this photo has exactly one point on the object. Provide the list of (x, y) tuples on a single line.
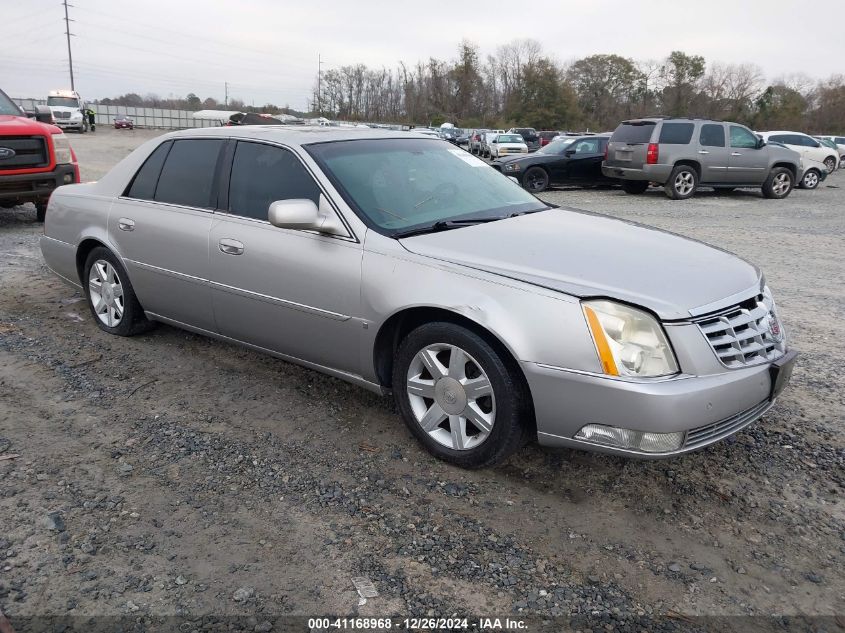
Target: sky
[(267, 50)]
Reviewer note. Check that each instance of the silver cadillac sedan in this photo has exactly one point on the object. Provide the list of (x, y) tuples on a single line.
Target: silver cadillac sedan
[(405, 265)]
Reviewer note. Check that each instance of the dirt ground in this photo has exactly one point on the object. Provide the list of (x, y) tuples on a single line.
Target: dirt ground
[(172, 476)]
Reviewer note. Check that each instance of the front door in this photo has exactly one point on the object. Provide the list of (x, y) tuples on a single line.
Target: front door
[(160, 228), (748, 164), (292, 292)]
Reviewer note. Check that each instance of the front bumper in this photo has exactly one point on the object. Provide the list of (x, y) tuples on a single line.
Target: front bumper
[(705, 408), (37, 187)]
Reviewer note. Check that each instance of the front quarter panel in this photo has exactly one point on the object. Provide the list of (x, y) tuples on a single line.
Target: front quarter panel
[(535, 324)]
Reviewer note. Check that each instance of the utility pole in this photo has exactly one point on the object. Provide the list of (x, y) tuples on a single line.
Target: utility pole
[(226, 93), (319, 92), (68, 33)]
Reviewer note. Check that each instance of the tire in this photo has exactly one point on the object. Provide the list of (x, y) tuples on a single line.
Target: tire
[(635, 186), (535, 179), (103, 264), (40, 211), (778, 184), (811, 179), (503, 404), (830, 163), (682, 183)]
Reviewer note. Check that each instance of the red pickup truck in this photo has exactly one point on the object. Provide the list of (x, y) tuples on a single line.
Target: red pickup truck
[(35, 158)]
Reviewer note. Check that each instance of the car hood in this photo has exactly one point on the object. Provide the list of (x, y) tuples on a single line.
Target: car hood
[(11, 124), (588, 255)]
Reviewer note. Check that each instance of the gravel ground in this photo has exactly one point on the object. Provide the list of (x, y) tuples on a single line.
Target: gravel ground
[(172, 478)]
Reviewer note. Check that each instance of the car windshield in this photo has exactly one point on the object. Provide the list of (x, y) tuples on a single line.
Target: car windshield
[(510, 138), (65, 102), (7, 106), (402, 184), (556, 147)]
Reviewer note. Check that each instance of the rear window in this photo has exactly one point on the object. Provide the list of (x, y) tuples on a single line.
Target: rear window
[(639, 132), (676, 133), (143, 186)]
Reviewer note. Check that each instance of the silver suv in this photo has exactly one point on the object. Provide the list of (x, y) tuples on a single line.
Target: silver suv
[(683, 154)]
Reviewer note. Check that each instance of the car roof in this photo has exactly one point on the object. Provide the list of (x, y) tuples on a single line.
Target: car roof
[(296, 134)]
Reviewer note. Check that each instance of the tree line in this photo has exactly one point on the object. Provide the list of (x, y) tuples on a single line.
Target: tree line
[(520, 84)]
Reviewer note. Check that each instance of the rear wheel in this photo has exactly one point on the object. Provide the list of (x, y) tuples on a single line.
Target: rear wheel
[(810, 180), (779, 183), (634, 186), (682, 183), (535, 180), (459, 396), (110, 295)]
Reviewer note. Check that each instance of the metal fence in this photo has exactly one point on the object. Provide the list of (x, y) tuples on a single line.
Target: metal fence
[(158, 118)]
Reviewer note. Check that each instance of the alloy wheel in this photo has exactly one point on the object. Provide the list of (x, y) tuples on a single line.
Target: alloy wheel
[(811, 180), (684, 183), (106, 293), (451, 396), (781, 184), (535, 180)]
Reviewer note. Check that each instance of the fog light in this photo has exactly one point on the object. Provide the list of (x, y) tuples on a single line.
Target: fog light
[(628, 439), (68, 178)]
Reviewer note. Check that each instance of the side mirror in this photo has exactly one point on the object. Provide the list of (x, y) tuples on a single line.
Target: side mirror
[(41, 113), (760, 142), (570, 152), (303, 215)]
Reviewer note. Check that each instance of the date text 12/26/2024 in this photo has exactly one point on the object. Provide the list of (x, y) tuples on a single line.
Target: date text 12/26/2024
[(318, 625)]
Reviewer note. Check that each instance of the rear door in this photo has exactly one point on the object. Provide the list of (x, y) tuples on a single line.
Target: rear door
[(161, 225), (629, 143), (748, 164), (715, 156)]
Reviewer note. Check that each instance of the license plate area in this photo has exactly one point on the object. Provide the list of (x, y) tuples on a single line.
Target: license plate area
[(623, 154)]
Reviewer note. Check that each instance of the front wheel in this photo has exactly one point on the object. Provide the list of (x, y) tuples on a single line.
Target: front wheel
[(810, 180), (40, 211), (779, 183), (459, 396), (634, 186), (535, 180), (682, 183), (830, 163), (110, 295)]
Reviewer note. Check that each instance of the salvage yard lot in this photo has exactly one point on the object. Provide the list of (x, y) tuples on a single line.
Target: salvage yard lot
[(169, 474)]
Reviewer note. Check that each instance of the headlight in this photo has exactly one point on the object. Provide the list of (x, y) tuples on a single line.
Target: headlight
[(512, 167), (61, 146), (629, 342)]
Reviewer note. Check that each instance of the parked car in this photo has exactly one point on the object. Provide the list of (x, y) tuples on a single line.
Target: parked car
[(68, 110), (400, 264), (813, 174), (840, 151), (805, 145), (463, 139), (840, 144), (683, 154), (529, 135), (426, 132), (35, 158), (506, 145), (570, 161), (124, 123), (475, 141), (546, 136), (486, 142)]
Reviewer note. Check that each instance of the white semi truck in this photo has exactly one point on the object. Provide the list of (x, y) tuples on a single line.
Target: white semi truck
[(68, 110)]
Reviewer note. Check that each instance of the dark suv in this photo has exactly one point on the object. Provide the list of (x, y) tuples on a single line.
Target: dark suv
[(529, 135), (683, 154)]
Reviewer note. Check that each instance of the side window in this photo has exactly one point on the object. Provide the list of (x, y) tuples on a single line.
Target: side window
[(676, 133), (143, 185), (780, 138), (589, 146), (742, 138), (806, 141), (262, 174), (712, 135), (188, 174), (839, 140)]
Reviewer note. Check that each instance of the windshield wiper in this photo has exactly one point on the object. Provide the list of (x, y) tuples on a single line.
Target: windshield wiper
[(445, 225)]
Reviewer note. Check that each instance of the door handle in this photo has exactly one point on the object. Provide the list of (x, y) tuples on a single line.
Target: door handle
[(125, 224), (703, 151), (231, 247), (736, 153)]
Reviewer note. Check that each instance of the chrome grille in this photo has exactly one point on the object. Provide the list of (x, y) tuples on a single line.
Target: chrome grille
[(712, 432), (61, 115), (746, 334)]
